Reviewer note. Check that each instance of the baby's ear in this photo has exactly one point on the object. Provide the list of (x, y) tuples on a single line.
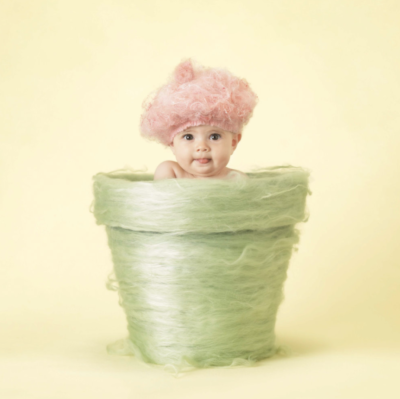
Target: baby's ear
[(235, 140)]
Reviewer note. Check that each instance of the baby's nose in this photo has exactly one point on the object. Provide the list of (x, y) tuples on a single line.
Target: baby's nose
[(201, 146)]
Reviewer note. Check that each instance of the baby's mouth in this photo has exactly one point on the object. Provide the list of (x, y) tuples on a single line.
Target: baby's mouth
[(203, 160)]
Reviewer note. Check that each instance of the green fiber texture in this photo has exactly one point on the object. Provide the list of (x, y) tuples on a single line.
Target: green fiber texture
[(199, 265)]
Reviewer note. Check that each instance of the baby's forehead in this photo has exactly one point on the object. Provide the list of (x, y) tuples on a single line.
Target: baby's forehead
[(203, 129)]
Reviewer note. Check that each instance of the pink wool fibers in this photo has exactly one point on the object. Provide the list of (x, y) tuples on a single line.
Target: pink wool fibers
[(195, 96)]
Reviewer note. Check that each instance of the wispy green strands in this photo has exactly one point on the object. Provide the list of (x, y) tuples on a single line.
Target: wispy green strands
[(200, 264)]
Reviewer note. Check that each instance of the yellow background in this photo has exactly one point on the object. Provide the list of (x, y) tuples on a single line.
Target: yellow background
[(73, 75)]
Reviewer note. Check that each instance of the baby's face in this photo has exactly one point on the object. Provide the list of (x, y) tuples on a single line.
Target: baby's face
[(204, 151)]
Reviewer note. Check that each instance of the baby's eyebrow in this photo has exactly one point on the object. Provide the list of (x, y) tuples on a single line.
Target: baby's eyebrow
[(221, 132)]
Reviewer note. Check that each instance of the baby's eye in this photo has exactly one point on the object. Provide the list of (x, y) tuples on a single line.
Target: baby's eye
[(215, 136), (188, 136)]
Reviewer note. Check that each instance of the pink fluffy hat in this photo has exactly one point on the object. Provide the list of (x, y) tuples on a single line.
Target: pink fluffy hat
[(196, 96)]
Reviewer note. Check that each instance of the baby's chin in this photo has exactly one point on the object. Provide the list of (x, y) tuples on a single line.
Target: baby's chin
[(208, 172)]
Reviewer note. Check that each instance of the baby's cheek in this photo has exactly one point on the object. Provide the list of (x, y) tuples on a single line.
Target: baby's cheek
[(227, 155)]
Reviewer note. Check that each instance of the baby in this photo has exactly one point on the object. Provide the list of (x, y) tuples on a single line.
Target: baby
[(200, 115)]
